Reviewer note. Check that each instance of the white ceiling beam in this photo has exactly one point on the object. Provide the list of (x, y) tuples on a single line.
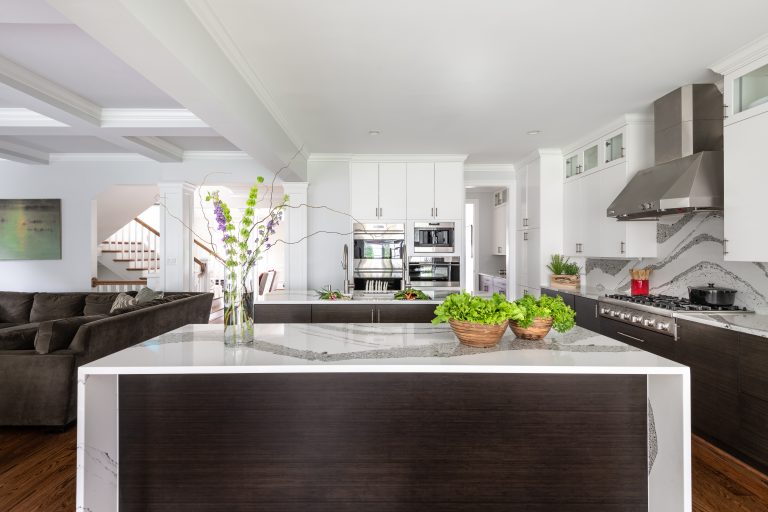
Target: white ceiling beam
[(150, 118), (155, 148), (19, 153), (171, 47), (25, 118)]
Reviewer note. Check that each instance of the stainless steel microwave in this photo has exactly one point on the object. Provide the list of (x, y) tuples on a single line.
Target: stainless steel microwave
[(434, 237)]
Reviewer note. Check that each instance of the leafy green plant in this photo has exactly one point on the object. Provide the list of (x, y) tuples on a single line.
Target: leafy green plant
[(563, 317), (332, 295), (561, 265), (478, 310), (411, 294)]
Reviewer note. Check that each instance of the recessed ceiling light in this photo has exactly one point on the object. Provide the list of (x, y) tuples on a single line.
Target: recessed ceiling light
[(533, 132), (373, 133)]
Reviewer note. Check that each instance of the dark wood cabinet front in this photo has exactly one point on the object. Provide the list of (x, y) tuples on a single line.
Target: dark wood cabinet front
[(712, 355), (753, 397), (343, 313), (405, 313), (653, 342), (586, 313), (282, 313)]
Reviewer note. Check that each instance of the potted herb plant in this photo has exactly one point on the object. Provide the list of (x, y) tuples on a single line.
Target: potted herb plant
[(477, 321), (541, 315), (565, 273)]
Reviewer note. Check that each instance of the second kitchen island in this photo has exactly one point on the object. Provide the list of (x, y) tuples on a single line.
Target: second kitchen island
[(374, 417)]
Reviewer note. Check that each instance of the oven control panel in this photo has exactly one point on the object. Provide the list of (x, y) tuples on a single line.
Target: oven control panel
[(645, 319)]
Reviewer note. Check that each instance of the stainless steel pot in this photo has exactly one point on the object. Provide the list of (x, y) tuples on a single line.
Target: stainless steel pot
[(711, 295)]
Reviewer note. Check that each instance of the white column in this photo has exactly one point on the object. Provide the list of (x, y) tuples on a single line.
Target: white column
[(296, 224), (177, 213)]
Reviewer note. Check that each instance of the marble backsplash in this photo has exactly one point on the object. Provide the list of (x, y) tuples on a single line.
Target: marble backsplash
[(690, 253)]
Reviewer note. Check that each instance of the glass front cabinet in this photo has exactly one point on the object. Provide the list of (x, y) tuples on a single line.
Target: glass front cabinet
[(614, 147), (746, 90)]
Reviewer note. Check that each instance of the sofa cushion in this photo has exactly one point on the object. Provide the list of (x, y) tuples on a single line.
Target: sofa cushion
[(21, 337), (122, 301), (99, 303), (15, 307), (53, 335), (52, 306), (147, 295)]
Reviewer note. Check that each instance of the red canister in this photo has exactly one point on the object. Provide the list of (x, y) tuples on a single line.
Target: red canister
[(639, 286)]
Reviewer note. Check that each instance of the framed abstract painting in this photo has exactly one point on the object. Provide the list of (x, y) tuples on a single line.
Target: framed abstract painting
[(30, 229)]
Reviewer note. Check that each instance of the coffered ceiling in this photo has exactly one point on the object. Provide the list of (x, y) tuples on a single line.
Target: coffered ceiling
[(283, 79)]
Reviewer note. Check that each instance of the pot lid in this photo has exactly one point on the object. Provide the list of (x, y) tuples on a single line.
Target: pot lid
[(712, 288)]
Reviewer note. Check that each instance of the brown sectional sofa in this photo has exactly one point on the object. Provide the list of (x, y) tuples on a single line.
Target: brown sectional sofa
[(45, 337)]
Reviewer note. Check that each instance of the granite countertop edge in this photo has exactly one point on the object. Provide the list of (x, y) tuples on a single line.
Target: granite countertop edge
[(747, 323)]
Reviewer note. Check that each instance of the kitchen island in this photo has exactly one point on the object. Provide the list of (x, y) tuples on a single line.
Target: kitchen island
[(382, 417)]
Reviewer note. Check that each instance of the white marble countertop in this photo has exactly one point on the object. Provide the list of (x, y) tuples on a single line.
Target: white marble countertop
[(301, 348), (312, 297), (749, 323), (584, 291)]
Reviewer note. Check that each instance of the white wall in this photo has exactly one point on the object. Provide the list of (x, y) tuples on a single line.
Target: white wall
[(328, 186), (77, 184)]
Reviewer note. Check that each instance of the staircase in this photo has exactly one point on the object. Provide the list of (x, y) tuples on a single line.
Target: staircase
[(129, 260)]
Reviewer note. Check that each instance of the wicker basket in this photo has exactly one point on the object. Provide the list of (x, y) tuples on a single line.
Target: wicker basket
[(564, 281), (536, 331), (478, 335)]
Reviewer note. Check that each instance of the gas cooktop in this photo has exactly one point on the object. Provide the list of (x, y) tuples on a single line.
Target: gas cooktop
[(670, 303)]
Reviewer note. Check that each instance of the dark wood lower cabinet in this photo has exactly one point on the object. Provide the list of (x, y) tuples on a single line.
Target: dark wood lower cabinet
[(653, 342), (282, 313), (343, 313), (380, 442), (405, 313), (753, 397), (711, 353), (587, 315)]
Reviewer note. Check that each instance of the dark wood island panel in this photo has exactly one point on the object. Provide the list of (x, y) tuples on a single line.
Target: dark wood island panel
[(457, 442)]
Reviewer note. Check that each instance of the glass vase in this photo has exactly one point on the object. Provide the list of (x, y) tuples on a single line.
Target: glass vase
[(238, 323)]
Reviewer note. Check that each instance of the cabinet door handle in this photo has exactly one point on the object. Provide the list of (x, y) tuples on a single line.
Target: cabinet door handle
[(725, 110), (622, 151), (725, 247), (498, 249), (432, 212), (630, 337), (525, 236), (436, 211), (372, 315), (622, 248), (596, 314)]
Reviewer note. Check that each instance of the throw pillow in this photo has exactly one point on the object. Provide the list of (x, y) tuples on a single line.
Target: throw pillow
[(56, 335), (15, 307), (147, 295), (52, 306), (122, 301), (21, 337)]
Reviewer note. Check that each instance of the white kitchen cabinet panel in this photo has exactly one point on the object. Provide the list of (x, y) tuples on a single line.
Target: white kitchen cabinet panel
[(573, 218), (421, 190), (364, 190), (521, 257), (533, 199), (534, 260), (746, 173), (449, 190), (392, 190), (612, 237), (521, 197), (499, 242)]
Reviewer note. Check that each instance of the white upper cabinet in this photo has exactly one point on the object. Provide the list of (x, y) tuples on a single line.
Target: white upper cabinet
[(449, 190), (521, 197), (745, 93), (533, 197), (435, 190), (392, 190), (364, 190), (746, 173), (606, 166)]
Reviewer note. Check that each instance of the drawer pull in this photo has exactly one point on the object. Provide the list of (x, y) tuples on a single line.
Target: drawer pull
[(630, 337)]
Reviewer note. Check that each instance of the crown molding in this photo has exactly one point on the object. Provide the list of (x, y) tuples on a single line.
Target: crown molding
[(221, 36), (489, 168), (744, 56), (23, 117), (216, 155), (354, 157), (98, 157), (49, 92), (150, 118)]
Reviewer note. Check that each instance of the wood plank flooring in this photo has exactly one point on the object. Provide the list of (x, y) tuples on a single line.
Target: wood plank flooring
[(37, 473)]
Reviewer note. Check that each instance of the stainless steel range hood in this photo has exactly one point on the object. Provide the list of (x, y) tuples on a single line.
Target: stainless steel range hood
[(688, 174)]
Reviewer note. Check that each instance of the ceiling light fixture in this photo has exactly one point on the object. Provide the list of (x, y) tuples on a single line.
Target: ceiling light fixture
[(373, 133), (533, 132)]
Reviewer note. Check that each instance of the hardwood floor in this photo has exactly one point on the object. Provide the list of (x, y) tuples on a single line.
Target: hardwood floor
[(37, 473)]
